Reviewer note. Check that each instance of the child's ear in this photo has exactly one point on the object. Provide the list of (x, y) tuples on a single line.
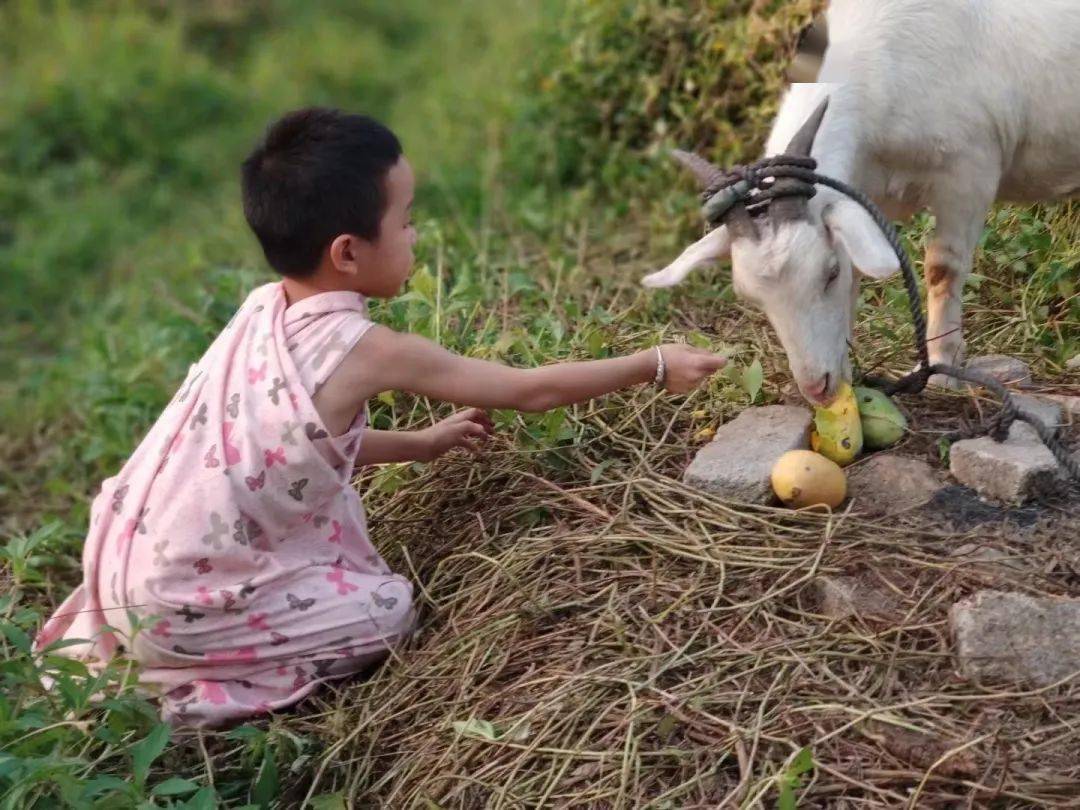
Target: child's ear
[(345, 254)]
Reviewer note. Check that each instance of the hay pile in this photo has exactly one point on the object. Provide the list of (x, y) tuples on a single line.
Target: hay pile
[(645, 645)]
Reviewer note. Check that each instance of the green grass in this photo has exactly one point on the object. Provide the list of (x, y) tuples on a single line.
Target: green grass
[(537, 132)]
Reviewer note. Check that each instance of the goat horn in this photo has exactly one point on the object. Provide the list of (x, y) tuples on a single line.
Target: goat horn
[(793, 208), (740, 224), (705, 172), (804, 139)]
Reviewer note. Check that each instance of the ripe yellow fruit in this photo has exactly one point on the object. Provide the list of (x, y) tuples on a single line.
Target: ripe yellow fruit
[(839, 435), (803, 478), (704, 435)]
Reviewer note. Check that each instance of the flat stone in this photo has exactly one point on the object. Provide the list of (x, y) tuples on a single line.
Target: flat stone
[(737, 463), (1070, 407), (1007, 637), (887, 484), (846, 597), (1045, 410), (1005, 369), (989, 559), (1014, 471), (1073, 363)]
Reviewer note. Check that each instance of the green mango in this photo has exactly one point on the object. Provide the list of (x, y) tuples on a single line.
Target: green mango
[(882, 423)]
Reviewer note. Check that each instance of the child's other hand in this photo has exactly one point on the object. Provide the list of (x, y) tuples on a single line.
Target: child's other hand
[(468, 429), (686, 366)]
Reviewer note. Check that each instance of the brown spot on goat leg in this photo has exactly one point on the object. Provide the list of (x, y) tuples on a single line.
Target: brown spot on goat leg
[(938, 274)]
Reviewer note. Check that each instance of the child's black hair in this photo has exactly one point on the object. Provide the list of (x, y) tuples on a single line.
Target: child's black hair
[(317, 174)]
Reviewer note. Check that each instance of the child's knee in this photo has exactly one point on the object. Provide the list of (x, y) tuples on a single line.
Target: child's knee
[(393, 610)]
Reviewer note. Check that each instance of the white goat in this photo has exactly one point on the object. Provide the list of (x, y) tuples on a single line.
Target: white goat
[(945, 104)]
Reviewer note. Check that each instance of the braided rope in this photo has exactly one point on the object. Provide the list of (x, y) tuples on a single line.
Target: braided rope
[(760, 181)]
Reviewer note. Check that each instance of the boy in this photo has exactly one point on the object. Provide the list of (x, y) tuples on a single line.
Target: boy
[(233, 534)]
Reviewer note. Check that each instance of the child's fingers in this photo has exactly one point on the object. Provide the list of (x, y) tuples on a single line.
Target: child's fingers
[(481, 418), (709, 363), (476, 431)]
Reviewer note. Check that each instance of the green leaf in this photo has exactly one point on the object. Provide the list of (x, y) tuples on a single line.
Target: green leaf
[(387, 398), (596, 343), (599, 470), (476, 728), (803, 762), (266, 786), (16, 637), (174, 786), (146, 750), (328, 801), (205, 799), (786, 800), (752, 377)]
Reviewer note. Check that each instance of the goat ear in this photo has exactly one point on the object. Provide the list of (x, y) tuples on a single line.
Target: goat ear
[(716, 244), (866, 245)]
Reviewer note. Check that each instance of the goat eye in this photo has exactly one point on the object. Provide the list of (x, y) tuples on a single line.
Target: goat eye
[(834, 272)]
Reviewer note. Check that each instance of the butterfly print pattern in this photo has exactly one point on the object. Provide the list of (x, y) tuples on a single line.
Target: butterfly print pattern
[(296, 603), (385, 602), (337, 576), (199, 418), (275, 390), (219, 530), (190, 615), (118, 498), (257, 621), (197, 533), (313, 431), (333, 344), (273, 457), (288, 433)]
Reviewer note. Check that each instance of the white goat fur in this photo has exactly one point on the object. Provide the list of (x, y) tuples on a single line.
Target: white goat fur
[(939, 104)]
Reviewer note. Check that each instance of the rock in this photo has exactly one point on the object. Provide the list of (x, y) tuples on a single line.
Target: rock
[(887, 484), (844, 597), (1014, 471), (1006, 637), (1069, 405), (989, 560), (978, 553), (1073, 363), (1046, 411), (737, 463), (1007, 370)]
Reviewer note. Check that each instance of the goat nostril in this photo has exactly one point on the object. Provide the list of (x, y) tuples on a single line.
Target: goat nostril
[(825, 384)]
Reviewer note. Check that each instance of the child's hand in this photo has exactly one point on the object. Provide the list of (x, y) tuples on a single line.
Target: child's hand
[(465, 429), (686, 366)]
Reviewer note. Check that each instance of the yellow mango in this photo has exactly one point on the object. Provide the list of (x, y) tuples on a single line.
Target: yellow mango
[(838, 435), (802, 478)]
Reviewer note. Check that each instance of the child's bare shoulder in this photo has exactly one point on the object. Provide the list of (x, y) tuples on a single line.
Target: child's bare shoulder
[(358, 377)]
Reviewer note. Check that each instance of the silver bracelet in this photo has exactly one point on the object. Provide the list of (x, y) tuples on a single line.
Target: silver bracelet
[(661, 367)]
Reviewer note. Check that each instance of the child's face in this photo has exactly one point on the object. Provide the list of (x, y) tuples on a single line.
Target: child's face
[(391, 255)]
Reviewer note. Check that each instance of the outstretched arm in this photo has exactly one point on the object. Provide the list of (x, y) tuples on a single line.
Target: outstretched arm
[(385, 360)]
